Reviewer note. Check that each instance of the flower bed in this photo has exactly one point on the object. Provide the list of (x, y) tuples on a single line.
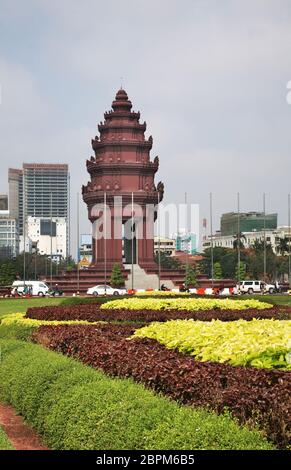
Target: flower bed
[(189, 304), (254, 396), (258, 343), (91, 313), (162, 293), (17, 326), (76, 407)]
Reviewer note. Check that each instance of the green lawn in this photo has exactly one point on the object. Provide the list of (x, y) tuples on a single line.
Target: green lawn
[(21, 305), (272, 299), (4, 442)]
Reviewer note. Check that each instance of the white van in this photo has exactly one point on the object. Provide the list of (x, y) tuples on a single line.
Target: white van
[(38, 288)]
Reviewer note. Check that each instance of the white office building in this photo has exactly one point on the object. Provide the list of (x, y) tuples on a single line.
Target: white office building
[(249, 238), (165, 245), (46, 236)]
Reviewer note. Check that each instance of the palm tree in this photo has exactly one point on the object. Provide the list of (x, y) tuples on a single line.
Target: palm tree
[(282, 247), (239, 240), (258, 246)]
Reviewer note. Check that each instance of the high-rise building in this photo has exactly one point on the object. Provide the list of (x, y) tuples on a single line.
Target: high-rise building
[(8, 235), (186, 241), (3, 202), (40, 191), (248, 222)]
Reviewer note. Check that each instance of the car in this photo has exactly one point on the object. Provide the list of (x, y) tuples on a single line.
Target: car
[(252, 287), (38, 288), (105, 290)]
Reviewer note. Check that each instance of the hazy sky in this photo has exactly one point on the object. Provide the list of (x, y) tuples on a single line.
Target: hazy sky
[(209, 77)]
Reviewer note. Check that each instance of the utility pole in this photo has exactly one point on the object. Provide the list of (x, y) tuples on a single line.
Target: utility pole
[(211, 240)]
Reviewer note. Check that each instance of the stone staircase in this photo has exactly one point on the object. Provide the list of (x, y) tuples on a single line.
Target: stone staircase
[(142, 280)]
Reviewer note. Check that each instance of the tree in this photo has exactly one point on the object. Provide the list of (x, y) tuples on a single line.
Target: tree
[(7, 273), (167, 261), (239, 240), (190, 276), (240, 271), (227, 258), (282, 247), (217, 271), (258, 246), (116, 279)]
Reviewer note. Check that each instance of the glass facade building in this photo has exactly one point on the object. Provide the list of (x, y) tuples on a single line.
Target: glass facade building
[(9, 238), (248, 222), (41, 191)]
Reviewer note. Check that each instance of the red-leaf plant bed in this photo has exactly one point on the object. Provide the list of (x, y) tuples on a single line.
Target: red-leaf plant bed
[(252, 395), (91, 312)]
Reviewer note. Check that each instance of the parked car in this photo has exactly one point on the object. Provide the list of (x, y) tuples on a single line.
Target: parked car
[(252, 287), (38, 288), (105, 290)]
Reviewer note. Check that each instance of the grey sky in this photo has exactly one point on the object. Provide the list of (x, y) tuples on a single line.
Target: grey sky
[(209, 77)]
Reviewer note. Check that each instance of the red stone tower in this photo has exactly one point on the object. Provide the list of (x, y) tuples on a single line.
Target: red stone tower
[(122, 167)]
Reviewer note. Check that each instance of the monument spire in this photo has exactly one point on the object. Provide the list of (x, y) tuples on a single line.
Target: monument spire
[(121, 166)]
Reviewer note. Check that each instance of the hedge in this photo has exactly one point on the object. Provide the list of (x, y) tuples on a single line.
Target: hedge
[(254, 396), (5, 444), (17, 326), (75, 407)]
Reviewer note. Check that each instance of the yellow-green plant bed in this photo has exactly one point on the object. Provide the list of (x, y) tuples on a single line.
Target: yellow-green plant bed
[(162, 293), (185, 304), (17, 326), (257, 343)]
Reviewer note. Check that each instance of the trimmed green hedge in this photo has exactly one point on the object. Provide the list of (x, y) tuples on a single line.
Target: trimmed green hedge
[(5, 444), (75, 407), (16, 331)]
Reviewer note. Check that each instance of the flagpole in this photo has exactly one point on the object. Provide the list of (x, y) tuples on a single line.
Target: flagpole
[(51, 248), (238, 239), (289, 242), (211, 239), (265, 253), (105, 242), (159, 244), (187, 233), (78, 244), (132, 227), (24, 230)]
